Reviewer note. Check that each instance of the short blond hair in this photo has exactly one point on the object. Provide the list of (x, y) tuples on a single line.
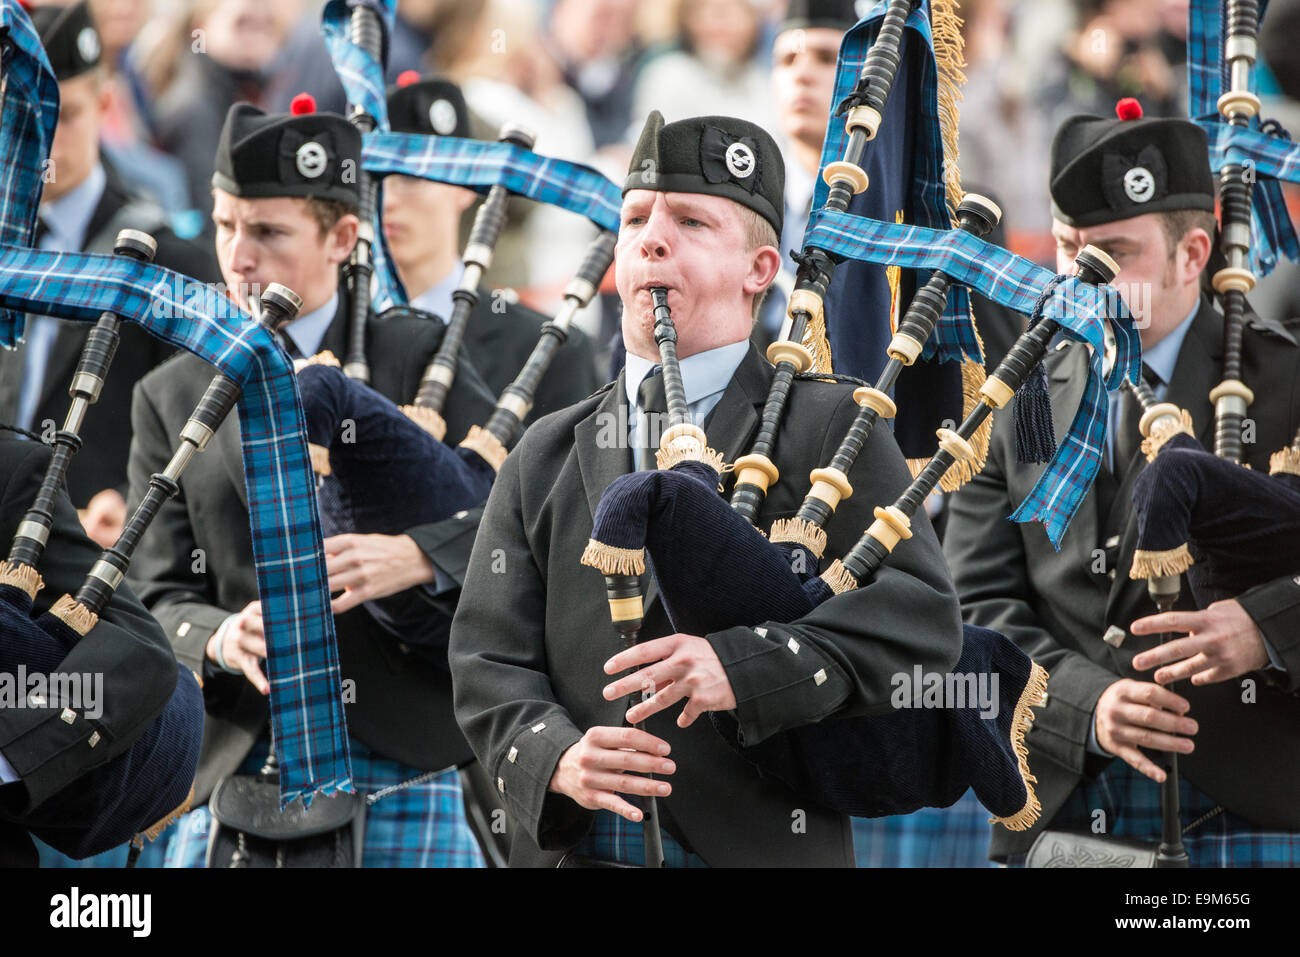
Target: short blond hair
[(758, 233)]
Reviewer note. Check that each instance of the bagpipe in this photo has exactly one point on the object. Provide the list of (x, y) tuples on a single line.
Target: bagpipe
[(716, 570)]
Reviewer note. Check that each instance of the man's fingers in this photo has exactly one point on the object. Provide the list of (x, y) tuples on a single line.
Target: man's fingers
[(339, 543), (642, 654), (347, 601), (658, 675), (1141, 763), (663, 697), (1144, 692), (692, 711), (1183, 669), (1168, 652), (612, 802), (252, 626), (628, 739), (1183, 621), (1150, 738), (596, 781), (1144, 716), (253, 672)]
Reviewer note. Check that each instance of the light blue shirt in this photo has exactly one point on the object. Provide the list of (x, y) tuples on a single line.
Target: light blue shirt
[(65, 219), (1160, 359), (437, 299), (7, 773), (308, 331), (704, 378)]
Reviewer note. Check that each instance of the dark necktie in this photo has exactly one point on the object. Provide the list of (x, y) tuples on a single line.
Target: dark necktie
[(290, 346), (1128, 435), (654, 407)]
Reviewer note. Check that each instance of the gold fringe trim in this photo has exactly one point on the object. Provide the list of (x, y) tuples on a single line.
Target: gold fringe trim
[(25, 577), (839, 578), (487, 445), (76, 616), (158, 827), (320, 458), (1153, 443), (972, 380), (1148, 564), (1285, 460), (814, 337), (427, 419), (800, 531), (324, 358), (614, 561), (949, 59), (1021, 721), (667, 458)]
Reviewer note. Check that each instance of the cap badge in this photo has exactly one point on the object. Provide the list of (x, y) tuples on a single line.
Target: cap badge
[(442, 117), (88, 44), (311, 159), (740, 160), (1139, 184)]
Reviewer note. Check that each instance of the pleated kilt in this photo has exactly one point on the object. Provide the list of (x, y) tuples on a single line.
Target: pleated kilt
[(423, 825), (1213, 837)]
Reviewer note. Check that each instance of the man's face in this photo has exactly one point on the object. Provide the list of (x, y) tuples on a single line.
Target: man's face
[(1160, 284), (75, 150), (694, 246), (803, 81), (261, 241), (422, 219)]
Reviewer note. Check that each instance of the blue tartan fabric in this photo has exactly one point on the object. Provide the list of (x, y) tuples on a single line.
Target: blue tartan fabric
[(613, 838), (956, 836), (926, 205), (303, 665), (362, 78), (1017, 283), (1132, 806), (479, 166), (420, 826), (1272, 232)]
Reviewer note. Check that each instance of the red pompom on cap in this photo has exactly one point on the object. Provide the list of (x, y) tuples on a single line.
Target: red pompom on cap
[(407, 77), (1128, 109), (26, 5), (302, 104)]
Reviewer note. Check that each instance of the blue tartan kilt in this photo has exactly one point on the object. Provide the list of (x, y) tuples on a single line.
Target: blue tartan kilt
[(613, 838), (1214, 838), (956, 836), (420, 826)]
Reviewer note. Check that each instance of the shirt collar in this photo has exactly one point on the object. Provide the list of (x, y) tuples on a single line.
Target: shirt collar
[(1163, 356), (308, 331), (437, 299), (67, 217), (703, 374)]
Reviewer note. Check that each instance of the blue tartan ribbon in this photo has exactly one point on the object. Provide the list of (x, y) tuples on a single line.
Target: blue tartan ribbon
[(362, 78), (954, 335), (1272, 232), (302, 662), (1015, 282), (480, 166)]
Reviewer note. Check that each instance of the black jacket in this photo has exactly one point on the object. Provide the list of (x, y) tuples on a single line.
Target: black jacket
[(1056, 608), (101, 463), (126, 647), (194, 567), (532, 631)]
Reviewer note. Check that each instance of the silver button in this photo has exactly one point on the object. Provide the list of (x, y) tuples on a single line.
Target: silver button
[(183, 630), (1112, 542), (761, 632), (820, 677), (538, 727), (1296, 579), (501, 785), (793, 646), (1114, 636), (68, 716), (1042, 702), (461, 514), (1061, 345), (514, 753), (93, 740)]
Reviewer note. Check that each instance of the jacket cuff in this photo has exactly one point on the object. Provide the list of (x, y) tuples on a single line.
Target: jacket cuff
[(447, 544), (189, 626), (48, 753), (1275, 609), (1063, 726), (778, 681), (521, 778)]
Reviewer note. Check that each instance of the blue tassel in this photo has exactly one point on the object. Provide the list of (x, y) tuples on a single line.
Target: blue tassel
[(1035, 431)]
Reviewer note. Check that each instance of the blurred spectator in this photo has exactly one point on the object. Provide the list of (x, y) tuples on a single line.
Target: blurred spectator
[(717, 68), (220, 53), (595, 44)]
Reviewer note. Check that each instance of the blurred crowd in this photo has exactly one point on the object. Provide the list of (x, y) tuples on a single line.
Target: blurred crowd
[(584, 74)]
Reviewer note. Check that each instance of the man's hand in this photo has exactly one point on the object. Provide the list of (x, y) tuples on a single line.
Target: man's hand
[(1138, 713), (679, 666), (591, 771), (1223, 642), (104, 517), (373, 566), (243, 643)]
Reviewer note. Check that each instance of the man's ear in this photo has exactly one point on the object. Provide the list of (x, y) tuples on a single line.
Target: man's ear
[(1197, 245), (763, 267), (342, 237)]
